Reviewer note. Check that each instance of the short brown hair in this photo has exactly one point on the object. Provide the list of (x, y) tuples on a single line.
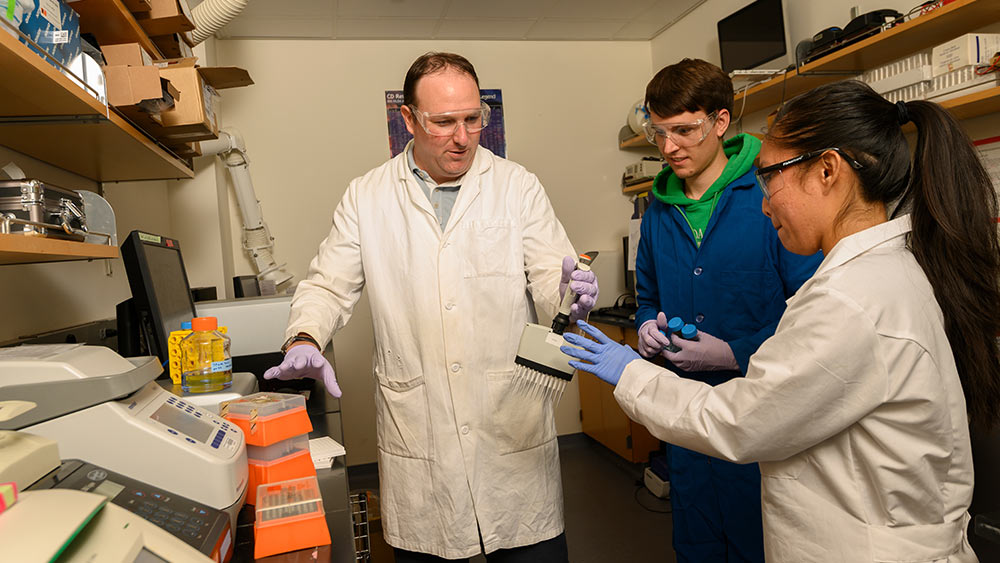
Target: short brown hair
[(690, 85), (429, 64)]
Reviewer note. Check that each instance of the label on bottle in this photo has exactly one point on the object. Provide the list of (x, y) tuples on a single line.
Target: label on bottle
[(224, 365)]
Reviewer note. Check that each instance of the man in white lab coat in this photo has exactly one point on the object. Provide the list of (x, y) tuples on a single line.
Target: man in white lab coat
[(450, 240)]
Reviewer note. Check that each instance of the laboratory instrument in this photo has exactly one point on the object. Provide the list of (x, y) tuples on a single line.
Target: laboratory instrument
[(107, 410), (202, 527), (84, 527), (541, 369)]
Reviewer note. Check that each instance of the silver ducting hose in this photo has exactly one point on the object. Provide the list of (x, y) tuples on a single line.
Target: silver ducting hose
[(212, 15)]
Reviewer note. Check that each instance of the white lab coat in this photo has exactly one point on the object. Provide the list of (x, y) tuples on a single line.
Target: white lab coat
[(455, 446), (853, 408)]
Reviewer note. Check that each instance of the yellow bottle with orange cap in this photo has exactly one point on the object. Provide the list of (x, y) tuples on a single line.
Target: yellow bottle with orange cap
[(205, 360)]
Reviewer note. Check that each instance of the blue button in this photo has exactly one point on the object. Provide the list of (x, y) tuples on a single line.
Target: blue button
[(215, 445), (171, 400), (180, 403), (202, 511), (140, 494), (157, 496), (198, 414), (698, 271), (190, 440), (172, 431), (699, 318), (215, 421)]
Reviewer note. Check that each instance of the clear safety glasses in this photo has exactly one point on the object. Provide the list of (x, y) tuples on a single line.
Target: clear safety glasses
[(681, 134), (445, 124), (765, 174)]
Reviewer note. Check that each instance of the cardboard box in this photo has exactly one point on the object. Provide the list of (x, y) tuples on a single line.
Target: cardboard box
[(166, 17), (173, 46), (194, 117), (139, 92), (128, 54), (54, 27), (969, 49)]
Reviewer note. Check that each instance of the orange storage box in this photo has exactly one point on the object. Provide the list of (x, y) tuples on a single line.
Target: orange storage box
[(289, 517), (268, 418), (286, 460)]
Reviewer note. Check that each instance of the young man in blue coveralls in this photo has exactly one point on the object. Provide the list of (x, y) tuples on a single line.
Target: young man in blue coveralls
[(708, 255)]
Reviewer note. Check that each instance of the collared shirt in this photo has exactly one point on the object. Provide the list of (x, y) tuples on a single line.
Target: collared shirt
[(441, 196)]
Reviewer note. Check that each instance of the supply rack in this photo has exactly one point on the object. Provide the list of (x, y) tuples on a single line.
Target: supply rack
[(362, 538)]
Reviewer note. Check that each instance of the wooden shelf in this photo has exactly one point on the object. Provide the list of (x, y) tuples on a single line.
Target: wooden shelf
[(111, 23), (21, 249), (47, 116), (637, 142), (638, 188), (975, 104), (905, 39)]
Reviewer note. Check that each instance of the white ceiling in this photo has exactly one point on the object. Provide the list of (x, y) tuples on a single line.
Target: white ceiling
[(536, 20)]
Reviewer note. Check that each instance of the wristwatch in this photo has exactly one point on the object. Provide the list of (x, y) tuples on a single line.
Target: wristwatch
[(299, 338)]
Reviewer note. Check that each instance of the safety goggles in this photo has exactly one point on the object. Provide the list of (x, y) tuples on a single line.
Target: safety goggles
[(765, 174), (681, 134), (445, 124)]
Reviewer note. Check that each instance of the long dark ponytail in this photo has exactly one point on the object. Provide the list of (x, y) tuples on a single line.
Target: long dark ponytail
[(951, 201)]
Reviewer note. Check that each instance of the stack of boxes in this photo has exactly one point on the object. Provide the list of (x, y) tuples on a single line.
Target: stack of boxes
[(277, 429), (282, 480)]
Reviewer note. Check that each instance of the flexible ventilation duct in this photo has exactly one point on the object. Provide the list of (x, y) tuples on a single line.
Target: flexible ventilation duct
[(212, 15)]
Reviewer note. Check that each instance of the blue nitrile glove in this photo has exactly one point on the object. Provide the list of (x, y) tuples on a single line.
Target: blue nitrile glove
[(707, 353), (583, 283), (305, 360), (607, 358), (651, 339)]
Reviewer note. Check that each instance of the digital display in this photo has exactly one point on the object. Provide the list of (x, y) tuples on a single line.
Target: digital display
[(172, 417), (147, 556), (752, 36), (170, 287), (110, 489)]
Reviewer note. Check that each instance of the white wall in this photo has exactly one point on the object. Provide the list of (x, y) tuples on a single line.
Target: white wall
[(315, 119)]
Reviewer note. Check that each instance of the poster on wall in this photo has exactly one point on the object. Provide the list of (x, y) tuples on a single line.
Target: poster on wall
[(494, 137)]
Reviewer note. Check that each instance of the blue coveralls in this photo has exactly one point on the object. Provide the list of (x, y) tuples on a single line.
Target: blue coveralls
[(733, 287)]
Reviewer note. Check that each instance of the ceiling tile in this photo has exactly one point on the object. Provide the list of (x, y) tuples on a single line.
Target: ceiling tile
[(455, 28), (575, 29), (384, 28), (388, 8), (599, 9), (509, 9), (278, 27)]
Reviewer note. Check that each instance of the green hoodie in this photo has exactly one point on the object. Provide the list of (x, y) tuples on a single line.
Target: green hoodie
[(741, 151)]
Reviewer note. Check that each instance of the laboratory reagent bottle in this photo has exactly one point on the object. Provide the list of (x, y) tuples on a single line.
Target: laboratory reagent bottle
[(205, 358)]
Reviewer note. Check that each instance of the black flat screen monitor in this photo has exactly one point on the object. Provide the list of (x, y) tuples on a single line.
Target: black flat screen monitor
[(752, 36), (160, 290)]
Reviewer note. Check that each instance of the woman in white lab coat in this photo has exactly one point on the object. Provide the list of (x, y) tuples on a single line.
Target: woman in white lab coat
[(858, 407)]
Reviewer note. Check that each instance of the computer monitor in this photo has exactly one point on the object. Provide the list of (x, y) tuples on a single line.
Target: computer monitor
[(161, 296), (754, 35)]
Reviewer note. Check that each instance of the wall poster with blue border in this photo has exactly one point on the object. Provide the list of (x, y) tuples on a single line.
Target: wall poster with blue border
[(494, 137)]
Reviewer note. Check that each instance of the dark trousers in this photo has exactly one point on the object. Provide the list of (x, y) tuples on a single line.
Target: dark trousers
[(548, 551), (716, 509)]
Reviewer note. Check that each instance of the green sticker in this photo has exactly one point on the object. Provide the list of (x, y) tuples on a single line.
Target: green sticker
[(10, 9), (146, 237)]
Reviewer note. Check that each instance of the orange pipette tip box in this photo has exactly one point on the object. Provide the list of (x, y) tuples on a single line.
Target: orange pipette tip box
[(288, 459), (268, 418), (289, 517)]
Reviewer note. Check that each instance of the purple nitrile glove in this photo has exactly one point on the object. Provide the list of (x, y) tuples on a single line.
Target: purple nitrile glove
[(305, 360), (583, 283), (707, 353), (651, 339), (607, 358)]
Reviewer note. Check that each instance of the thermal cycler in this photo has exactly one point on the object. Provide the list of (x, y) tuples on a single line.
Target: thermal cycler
[(107, 410)]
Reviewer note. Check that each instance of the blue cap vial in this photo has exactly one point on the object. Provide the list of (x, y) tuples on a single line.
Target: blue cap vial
[(675, 324), (186, 325), (689, 332)]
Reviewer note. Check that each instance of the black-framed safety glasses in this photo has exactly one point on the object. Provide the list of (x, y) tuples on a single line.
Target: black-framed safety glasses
[(764, 174)]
